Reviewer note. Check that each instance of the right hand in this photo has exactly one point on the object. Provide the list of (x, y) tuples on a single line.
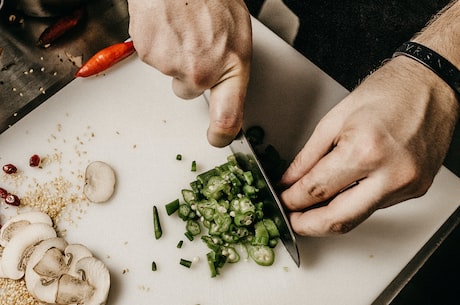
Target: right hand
[(202, 45)]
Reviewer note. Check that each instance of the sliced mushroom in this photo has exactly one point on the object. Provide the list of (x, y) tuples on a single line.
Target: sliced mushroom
[(72, 290), (20, 221), (13, 253), (73, 253), (52, 264), (44, 288), (97, 275), (99, 182)]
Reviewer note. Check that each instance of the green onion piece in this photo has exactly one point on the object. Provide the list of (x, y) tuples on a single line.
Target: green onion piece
[(211, 256), (154, 266), (189, 235), (185, 263), (156, 223), (193, 169), (178, 157), (172, 207), (180, 243)]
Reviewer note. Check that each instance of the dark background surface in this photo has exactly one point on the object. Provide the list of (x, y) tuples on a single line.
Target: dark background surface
[(348, 40)]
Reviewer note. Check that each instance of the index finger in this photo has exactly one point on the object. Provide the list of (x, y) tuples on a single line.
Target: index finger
[(342, 214)]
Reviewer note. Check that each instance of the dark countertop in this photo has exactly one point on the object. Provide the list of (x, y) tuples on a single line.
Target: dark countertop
[(348, 40)]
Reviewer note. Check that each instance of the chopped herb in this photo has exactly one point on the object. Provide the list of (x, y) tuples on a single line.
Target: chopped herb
[(156, 223), (185, 263), (180, 243), (228, 201), (189, 235), (172, 207), (154, 266), (193, 169)]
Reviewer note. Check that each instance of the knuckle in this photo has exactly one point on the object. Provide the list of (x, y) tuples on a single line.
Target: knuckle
[(412, 179), (228, 124), (340, 228), (317, 191)]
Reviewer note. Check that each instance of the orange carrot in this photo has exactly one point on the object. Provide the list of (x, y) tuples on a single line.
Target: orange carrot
[(106, 58)]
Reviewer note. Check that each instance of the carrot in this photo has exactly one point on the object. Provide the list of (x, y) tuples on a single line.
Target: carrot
[(61, 27), (106, 58)]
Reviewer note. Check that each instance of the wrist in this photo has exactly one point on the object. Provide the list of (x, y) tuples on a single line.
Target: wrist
[(425, 85)]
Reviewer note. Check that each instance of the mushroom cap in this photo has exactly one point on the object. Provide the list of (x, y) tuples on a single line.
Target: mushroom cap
[(98, 276), (18, 222), (13, 253), (99, 182), (43, 291), (73, 253)]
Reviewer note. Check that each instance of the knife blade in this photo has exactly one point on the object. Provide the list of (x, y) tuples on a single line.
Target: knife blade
[(244, 153)]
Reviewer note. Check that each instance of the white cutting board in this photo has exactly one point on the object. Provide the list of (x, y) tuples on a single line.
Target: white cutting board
[(130, 118)]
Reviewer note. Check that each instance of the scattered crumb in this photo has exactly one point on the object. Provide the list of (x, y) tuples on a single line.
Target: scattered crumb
[(76, 60), (144, 288)]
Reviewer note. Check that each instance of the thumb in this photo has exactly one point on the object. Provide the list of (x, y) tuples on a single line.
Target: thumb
[(226, 109)]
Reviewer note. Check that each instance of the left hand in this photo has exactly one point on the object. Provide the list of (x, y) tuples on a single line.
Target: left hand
[(390, 135)]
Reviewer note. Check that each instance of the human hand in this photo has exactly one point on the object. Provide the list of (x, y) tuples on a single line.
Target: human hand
[(390, 135), (202, 45)]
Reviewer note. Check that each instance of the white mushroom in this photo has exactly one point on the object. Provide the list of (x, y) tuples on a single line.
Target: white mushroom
[(18, 222), (99, 182), (12, 258), (73, 253), (72, 290), (52, 264), (41, 287), (97, 275)]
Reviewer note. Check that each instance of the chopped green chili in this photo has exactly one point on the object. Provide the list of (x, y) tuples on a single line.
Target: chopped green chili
[(178, 157), (179, 244), (172, 207), (154, 266), (228, 201), (189, 235), (193, 227), (185, 263), (193, 168), (156, 223)]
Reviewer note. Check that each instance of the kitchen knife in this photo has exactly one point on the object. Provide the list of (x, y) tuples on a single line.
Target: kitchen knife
[(245, 155)]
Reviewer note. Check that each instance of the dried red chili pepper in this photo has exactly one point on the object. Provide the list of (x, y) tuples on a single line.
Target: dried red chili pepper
[(61, 27), (106, 58)]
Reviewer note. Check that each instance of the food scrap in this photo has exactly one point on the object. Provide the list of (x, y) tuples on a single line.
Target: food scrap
[(228, 202), (55, 272)]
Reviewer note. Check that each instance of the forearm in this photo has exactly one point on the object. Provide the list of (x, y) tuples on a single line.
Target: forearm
[(442, 34)]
